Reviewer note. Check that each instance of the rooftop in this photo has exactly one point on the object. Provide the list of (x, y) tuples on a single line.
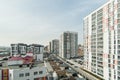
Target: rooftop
[(36, 64)]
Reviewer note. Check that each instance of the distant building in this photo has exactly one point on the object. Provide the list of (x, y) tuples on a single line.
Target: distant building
[(80, 50), (49, 47), (22, 49), (4, 51), (37, 50), (25, 67), (18, 49), (68, 44), (55, 46)]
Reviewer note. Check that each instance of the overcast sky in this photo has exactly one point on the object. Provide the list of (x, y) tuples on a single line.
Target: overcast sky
[(40, 21)]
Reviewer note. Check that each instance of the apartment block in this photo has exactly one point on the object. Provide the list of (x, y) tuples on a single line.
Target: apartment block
[(68, 44), (35, 49), (36, 71), (23, 49), (55, 46), (102, 41), (49, 47), (19, 48)]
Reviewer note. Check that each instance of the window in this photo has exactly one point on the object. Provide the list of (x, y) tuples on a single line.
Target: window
[(10, 74), (35, 73), (21, 75), (40, 72), (27, 74)]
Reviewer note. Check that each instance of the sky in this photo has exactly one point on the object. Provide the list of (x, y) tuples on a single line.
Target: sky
[(40, 21)]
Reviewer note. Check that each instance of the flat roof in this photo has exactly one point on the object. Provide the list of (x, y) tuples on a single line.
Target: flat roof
[(4, 65)]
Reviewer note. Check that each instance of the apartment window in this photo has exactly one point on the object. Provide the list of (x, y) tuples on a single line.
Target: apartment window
[(118, 51), (110, 74), (27, 74), (108, 56), (119, 68), (35, 73), (10, 74), (109, 65), (118, 62), (21, 75), (40, 72), (114, 68), (113, 56), (109, 60), (114, 76), (118, 57)]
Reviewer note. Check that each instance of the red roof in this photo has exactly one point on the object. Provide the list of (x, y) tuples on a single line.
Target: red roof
[(15, 58), (26, 60)]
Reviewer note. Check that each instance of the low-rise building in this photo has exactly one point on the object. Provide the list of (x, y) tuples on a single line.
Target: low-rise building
[(23, 49), (18, 49), (22, 68), (37, 51), (4, 51)]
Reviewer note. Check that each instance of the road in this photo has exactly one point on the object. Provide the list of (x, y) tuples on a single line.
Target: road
[(88, 75)]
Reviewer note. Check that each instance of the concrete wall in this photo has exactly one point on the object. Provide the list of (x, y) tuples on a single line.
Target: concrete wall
[(15, 73)]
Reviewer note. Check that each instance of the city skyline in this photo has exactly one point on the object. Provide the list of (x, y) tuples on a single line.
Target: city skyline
[(28, 21)]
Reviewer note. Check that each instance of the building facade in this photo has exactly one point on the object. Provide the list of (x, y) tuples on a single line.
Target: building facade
[(19, 48), (102, 41), (22, 68), (22, 49), (35, 49), (55, 46), (80, 50), (24, 72), (49, 47), (68, 44), (4, 51)]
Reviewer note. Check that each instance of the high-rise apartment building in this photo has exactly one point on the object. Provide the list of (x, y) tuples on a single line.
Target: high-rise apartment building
[(102, 41), (68, 44), (49, 47), (55, 46)]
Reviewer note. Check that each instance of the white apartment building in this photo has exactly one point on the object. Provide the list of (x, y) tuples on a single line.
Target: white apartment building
[(68, 45), (102, 41), (36, 71)]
